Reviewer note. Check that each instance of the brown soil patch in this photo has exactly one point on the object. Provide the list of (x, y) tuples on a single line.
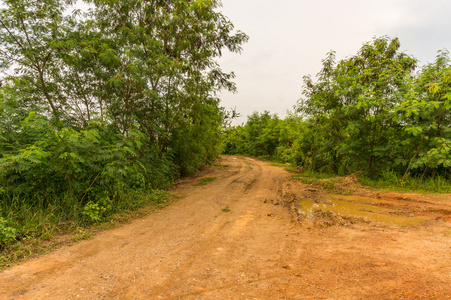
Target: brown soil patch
[(260, 249)]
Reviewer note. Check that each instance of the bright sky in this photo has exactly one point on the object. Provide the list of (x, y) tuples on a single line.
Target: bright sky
[(289, 38)]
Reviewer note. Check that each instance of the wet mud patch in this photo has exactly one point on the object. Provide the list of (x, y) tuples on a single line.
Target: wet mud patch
[(342, 210), (193, 249), (310, 203)]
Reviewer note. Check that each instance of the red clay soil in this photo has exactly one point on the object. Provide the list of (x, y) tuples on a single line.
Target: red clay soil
[(240, 237)]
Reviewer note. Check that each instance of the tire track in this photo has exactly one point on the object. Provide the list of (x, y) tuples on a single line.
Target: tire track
[(241, 184)]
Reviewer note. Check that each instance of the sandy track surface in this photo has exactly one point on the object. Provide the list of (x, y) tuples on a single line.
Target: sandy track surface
[(260, 249)]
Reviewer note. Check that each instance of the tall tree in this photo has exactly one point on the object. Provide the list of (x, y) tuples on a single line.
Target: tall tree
[(30, 32), (160, 58), (426, 115), (123, 97), (354, 101)]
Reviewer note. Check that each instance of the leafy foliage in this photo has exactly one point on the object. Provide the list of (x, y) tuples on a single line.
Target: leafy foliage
[(106, 105), (426, 113), (6, 233), (369, 113), (266, 136), (354, 99)]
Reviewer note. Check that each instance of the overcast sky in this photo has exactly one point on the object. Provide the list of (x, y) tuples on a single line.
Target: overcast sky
[(289, 38)]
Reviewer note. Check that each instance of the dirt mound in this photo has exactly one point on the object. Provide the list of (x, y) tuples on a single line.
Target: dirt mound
[(330, 218)]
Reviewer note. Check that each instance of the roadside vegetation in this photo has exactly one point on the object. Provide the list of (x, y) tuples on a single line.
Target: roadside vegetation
[(102, 109), (377, 115), (205, 180)]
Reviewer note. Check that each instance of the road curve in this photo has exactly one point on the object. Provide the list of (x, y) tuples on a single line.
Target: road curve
[(191, 248), (198, 249)]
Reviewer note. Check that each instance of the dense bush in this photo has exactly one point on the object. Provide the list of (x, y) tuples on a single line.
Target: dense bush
[(369, 113), (96, 110)]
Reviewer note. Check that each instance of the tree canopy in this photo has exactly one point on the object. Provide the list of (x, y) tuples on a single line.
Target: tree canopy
[(373, 112), (114, 100)]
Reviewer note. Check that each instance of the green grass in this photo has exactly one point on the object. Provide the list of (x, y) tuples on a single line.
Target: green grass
[(306, 180), (388, 181), (277, 164), (205, 180), (39, 230), (325, 180), (287, 166), (394, 182), (226, 209), (329, 184), (81, 234), (264, 158), (317, 175)]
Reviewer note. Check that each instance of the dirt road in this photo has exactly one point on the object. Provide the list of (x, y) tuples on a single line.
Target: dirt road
[(240, 237)]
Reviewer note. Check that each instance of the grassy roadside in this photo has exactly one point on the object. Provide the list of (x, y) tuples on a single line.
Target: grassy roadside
[(205, 180), (393, 182), (44, 230), (387, 182)]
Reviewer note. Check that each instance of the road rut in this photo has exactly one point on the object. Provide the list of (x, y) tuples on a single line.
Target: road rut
[(254, 249)]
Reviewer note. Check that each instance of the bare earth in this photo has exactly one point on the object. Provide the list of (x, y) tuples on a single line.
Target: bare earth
[(260, 249)]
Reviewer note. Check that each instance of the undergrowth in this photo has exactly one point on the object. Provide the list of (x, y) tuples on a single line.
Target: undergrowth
[(391, 181), (206, 180), (386, 181), (28, 231)]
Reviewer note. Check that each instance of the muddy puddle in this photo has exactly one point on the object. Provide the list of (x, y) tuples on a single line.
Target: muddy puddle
[(367, 208)]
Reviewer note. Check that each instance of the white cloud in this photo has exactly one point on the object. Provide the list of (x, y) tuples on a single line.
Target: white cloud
[(289, 38)]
